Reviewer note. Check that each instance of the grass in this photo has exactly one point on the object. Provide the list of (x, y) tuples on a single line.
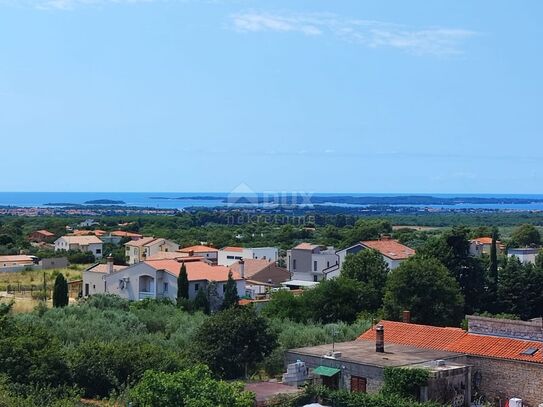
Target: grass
[(27, 279)]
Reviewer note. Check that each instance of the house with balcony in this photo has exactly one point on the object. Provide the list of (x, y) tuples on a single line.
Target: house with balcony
[(308, 262), (158, 279), (139, 250), (230, 255), (80, 243)]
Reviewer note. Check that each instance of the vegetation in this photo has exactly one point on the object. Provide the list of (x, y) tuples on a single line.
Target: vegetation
[(60, 291)]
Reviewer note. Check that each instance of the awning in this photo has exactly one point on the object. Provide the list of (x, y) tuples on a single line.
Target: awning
[(326, 371)]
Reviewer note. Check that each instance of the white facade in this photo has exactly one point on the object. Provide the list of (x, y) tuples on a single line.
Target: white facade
[(525, 255), (308, 263), (80, 243), (141, 281), (230, 255), (141, 249)]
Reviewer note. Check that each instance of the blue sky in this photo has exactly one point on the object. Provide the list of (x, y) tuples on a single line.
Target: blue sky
[(315, 95)]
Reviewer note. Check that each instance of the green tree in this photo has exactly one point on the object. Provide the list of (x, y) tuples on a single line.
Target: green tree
[(519, 290), (424, 287), (337, 299), (525, 235), (193, 387), (452, 250), (233, 341), (201, 302), (231, 297), (60, 292), (182, 285), (370, 269)]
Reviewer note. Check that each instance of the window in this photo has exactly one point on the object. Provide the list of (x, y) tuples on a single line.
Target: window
[(196, 287), (224, 288), (98, 251), (358, 384), (327, 264), (230, 257), (315, 265), (165, 287), (315, 278), (294, 264)]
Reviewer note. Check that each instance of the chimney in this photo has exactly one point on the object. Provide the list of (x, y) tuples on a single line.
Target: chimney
[(406, 317), (242, 268), (380, 339), (110, 264)]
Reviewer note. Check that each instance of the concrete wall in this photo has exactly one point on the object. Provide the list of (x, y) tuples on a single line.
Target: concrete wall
[(528, 330), (93, 283), (54, 263), (506, 379)]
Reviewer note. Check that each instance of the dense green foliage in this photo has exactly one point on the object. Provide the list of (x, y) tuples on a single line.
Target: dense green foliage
[(193, 387), (525, 235), (404, 382), (425, 287), (105, 344), (234, 341), (343, 398)]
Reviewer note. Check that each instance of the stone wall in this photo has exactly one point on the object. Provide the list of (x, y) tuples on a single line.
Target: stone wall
[(528, 330), (505, 379)]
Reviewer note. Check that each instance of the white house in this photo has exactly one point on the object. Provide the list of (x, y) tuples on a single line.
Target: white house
[(230, 255), (17, 262), (139, 250), (524, 254), (80, 243), (157, 279), (308, 262)]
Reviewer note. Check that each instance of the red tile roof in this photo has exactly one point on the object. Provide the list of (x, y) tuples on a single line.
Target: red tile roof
[(122, 233), (306, 246), (196, 271), (232, 249), (198, 249), (456, 340), (482, 240), (45, 233), (390, 248)]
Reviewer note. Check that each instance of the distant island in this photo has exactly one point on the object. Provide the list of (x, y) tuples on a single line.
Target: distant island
[(104, 202), (92, 202), (294, 199)]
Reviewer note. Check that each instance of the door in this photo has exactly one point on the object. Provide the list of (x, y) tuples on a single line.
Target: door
[(358, 384), (331, 382), (86, 290)]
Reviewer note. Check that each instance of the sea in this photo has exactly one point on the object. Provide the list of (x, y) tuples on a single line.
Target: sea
[(180, 200)]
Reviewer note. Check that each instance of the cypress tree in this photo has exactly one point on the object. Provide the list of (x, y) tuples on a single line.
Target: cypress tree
[(201, 302), (60, 291), (182, 285), (231, 297)]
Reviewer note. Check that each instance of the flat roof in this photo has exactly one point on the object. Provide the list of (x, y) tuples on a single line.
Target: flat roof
[(363, 352)]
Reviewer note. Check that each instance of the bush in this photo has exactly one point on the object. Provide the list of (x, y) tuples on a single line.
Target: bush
[(191, 388)]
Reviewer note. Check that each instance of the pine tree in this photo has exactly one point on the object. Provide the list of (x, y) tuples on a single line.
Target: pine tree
[(60, 291), (231, 297), (182, 285)]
